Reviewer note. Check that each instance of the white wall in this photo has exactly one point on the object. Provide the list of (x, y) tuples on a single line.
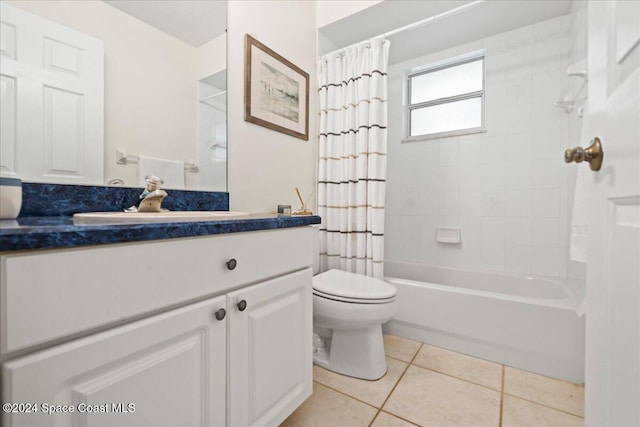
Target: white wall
[(150, 82), (265, 165), (329, 11), (506, 188)]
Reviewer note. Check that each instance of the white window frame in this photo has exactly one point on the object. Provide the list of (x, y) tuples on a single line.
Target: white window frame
[(437, 66)]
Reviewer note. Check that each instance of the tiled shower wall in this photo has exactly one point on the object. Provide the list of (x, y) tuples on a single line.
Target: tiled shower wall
[(507, 189)]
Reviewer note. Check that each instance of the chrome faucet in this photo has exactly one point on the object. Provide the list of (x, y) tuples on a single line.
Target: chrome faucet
[(152, 196)]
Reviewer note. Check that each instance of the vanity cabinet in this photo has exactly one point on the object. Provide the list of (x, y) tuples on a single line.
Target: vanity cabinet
[(237, 355)]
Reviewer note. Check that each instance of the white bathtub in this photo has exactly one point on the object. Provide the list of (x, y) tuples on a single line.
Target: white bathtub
[(530, 323)]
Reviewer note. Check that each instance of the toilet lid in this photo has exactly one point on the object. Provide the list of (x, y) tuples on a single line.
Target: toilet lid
[(343, 284)]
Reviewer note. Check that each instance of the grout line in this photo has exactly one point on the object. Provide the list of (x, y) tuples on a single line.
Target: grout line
[(457, 378), (398, 416), (544, 405), (396, 384), (501, 397), (345, 394)]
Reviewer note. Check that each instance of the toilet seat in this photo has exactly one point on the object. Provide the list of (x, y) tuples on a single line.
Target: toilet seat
[(353, 300), (349, 287)]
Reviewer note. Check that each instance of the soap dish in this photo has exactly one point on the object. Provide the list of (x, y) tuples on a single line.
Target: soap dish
[(448, 235)]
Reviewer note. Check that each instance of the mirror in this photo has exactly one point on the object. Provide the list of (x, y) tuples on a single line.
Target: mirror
[(160, 93)]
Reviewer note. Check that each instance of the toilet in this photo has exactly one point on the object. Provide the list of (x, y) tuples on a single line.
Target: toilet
[(348, 312)]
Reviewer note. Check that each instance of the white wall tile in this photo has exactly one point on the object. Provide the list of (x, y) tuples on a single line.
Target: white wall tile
[(545, 116), (470, 148), (518, 91), (471, 229), (517, 258), (545, 173), (428, 203), (493, 176), (492, 232), (545, 203), (517, 231), (519, 118), (517, 203), (393, 202), (471, 177), (493, 203), (393, 237), (492, 149), (410, 203), (470, 203), (411, 243), (517, 146), (508, 188), (449, 254), (518, 174), (449, 178), (450, 152), (493, 257), (547, 86), (449, 203), (545, 232), (545, 261)]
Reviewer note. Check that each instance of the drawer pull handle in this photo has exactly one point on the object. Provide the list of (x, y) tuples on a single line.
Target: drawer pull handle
[(242, 305), (231, 264), (220, 314)]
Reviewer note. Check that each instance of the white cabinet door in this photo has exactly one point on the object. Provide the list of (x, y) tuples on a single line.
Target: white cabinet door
[(167, 370), (270, 361), (52, 92)]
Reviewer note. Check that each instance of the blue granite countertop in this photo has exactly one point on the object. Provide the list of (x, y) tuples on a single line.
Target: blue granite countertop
[(51, 232)]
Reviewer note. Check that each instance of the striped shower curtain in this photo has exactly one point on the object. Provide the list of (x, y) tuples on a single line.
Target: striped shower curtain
[(352, 157)]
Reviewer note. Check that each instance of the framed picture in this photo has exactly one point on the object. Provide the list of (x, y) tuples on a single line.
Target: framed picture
[(276, 92)]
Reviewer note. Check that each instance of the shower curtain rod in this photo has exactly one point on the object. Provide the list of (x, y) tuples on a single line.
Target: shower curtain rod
[(433, 18)]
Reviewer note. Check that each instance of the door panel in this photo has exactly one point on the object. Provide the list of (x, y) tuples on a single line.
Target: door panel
[(613, 271), (53, 82), (270, 350), (168, 370)]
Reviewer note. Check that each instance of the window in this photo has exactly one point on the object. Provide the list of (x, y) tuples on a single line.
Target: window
[(446, 99)]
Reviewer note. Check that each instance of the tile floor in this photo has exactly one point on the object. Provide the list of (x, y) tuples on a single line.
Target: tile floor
[(431, 386)]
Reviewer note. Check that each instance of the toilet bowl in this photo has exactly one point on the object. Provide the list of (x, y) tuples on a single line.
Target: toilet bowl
[(348, 312)]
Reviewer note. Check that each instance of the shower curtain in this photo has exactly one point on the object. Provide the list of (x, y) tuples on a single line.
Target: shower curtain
[(352, 157)]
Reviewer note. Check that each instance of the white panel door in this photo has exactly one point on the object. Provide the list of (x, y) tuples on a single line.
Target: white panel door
[(167, 370), (52, 88), (613, 269), (270, 361)]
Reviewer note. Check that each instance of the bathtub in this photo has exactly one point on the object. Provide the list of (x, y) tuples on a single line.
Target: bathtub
[(530, 323)]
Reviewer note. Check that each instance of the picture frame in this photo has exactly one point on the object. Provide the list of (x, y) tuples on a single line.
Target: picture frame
[(276, 92)]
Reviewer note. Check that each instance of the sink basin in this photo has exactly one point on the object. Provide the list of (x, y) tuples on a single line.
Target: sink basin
[(151, 217)]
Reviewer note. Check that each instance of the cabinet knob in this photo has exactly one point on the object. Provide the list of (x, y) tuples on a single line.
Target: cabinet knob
[(220, 314), (242, 305), (231, 264)]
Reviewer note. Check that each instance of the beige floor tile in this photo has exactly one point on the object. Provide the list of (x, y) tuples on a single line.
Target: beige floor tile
[(387, 420), (371, 392), (429, 398), (459, 365), (562, 395), (327, 407), (400, 348), (522, 413)]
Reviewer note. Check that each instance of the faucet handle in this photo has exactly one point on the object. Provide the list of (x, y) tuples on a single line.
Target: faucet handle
[(153, 182)]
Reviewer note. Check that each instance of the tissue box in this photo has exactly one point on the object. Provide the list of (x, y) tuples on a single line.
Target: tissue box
[(10, 197)]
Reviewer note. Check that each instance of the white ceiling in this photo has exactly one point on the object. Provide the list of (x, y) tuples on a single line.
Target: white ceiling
[(486, 19), (193, 21)]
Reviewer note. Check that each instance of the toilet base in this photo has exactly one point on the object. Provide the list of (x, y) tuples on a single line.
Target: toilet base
[(357, 353)]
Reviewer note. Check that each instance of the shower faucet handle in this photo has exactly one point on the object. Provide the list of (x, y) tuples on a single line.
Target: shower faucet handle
[(593, 154)]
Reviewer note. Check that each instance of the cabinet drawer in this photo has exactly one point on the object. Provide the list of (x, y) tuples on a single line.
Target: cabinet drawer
[(51, 294)]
